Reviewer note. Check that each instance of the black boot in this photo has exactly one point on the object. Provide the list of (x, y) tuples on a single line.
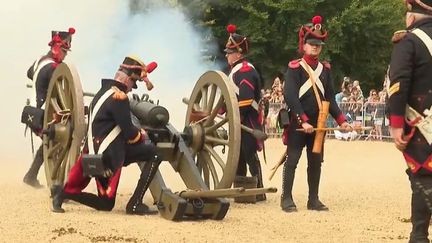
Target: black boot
[(57, 198), (100, 203), (316, 205), (255, 170), (30, 177), (135, 205), (314, 174), (287, 202), (420, 218)]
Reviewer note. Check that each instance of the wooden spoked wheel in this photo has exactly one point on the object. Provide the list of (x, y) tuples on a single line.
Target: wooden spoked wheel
[(213, 119), (64, 123)]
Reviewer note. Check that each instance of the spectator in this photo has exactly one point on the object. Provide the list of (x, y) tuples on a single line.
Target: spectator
[(378, 118), (277, 84), (279, 96), (344, 93), (265, 103), (356, 95), (355, 103), (373, 96), (382, 96), (356, 84)]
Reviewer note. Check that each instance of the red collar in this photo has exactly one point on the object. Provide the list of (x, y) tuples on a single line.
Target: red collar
[(312, 61)]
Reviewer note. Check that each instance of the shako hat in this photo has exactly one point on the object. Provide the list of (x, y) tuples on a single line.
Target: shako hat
[(136, 68), (62, 38), (312, 33), (236, 42)]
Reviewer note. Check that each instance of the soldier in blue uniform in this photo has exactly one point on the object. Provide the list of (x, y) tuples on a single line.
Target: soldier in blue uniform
[(40, 72), (409, 107), (112, 134), (247, 80), (301, 99)]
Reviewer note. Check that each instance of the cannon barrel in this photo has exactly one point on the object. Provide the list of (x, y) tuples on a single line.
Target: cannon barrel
[(149, 114)]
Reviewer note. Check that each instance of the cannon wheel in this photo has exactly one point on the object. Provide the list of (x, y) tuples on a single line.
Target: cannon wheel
[(216, 131), (64, 124)]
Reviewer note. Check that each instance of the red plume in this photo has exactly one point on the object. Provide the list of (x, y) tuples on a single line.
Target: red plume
[(231, 28), (151, 66), (71, 31), (316, 20), (301, 39)]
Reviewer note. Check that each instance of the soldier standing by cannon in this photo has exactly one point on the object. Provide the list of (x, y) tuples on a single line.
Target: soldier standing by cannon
[(410, 103), (248, 87), (40, 73), (112, 142), (307, 84)]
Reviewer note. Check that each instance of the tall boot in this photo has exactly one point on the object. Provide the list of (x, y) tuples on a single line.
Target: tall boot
[(420, 218), (314, 174), (135, 204), (287, 202), (255, 170), (30, 177), (241, 166), (92, 200), (57, 198)]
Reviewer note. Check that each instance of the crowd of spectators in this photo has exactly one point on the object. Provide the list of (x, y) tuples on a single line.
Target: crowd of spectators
[(359, 108), (368, 111)]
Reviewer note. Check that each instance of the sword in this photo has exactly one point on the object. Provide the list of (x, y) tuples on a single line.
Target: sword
[(278, 164), (32, 144), (336, 129)]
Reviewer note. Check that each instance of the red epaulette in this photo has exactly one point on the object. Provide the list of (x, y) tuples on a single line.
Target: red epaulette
[(294, 63), (54, 64), (399, 35), (326, 64), (245, 67)]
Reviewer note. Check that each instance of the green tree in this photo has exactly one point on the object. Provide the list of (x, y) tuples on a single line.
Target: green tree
[(360, 31), (360, 43)]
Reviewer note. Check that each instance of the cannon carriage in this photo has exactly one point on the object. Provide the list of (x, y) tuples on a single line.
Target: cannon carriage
[(205, 153)]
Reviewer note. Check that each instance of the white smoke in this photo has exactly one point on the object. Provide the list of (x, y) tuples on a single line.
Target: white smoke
[(106, 32)]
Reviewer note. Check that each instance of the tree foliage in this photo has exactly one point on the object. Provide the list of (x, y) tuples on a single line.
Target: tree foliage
[(359, 44)]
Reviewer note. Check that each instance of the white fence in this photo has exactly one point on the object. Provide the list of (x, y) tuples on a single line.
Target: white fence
[(367, 114)]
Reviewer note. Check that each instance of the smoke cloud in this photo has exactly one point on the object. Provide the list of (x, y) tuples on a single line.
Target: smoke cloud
[(106, 31)]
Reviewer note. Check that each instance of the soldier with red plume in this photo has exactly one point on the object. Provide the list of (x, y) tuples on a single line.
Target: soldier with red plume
[(247, 80), (302, 98), (112, 135), (40, 73)]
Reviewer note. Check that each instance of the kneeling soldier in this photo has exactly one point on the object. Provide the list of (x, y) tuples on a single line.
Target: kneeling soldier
[(116, 142)]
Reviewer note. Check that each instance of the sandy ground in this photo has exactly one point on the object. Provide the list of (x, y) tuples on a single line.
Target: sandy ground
[(363, 183)]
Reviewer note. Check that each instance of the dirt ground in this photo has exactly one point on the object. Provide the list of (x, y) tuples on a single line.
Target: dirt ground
[(363, 184)]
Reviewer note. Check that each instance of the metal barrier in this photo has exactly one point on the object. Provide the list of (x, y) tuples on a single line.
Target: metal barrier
[(371, 114)]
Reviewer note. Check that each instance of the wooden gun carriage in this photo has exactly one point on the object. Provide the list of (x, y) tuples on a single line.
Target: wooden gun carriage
[(205, 153)]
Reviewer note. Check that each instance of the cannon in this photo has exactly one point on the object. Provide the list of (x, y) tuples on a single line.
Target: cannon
[(205, 153)]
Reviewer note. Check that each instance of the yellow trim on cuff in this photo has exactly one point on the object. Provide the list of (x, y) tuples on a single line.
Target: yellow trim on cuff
[(136, 139)]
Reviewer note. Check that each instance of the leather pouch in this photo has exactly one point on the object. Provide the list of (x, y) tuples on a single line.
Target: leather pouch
[(32, 117), (93, 165)]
